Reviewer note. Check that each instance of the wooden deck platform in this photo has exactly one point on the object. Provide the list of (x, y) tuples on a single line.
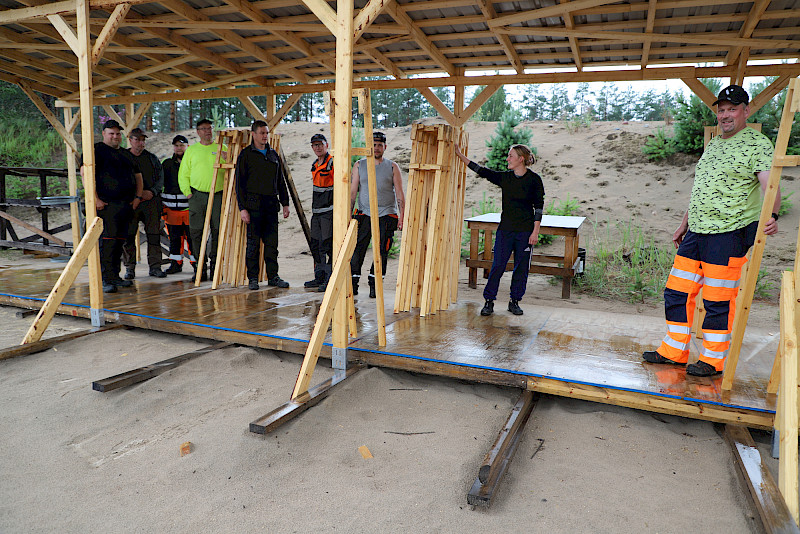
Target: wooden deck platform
[(577, 353)]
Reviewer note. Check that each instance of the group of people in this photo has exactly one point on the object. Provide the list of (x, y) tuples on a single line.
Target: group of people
[(133, 186), (712, 239)]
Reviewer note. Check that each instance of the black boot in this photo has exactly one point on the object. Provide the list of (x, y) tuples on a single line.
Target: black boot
[(372, 291), (513, 307), (488, 308), (174, 267), (355, 285)]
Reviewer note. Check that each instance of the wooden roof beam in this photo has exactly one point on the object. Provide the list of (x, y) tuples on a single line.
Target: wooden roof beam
[(65, 7), (702, 92), (41, 77), (422, 40), (477, 101), (284, 110), (51, 118), (375, 55), (38, 87), (569, 23), (550, 11), (368, 15), (487, 8), (146, 71), (769, 92), (753, 18), (438, 105), (324, 13), (108, 32), (651, 20)]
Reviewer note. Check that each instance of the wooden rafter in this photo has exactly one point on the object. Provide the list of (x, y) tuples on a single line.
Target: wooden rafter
[(421, 39), (108, 31), (702, 92), (254, 110), (324, 13), (49, 115), (283, 111), (64, 7), (768, 93), (753, 18), (651, 20), (438, 105), (368, 15), (569, 23), (66, 31), (487, 8), (48, 90), (550, 11)]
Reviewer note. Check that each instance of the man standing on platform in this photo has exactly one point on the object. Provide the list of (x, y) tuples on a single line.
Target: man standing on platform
[(321, 213), (195, 177), (149, 210), (391, 204), (118, 191), (261, 191), (176, 204), (714, 236)]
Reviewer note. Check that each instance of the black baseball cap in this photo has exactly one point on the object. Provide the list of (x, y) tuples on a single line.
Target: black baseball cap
[(137, 132), (111, 123), (318, 137), (734, 94), (179, 139), (379, 136)]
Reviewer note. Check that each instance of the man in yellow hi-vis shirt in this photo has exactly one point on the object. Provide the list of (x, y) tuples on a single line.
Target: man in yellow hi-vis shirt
[(194, 178)]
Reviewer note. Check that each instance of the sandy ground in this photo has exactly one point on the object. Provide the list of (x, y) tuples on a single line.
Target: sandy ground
[(74, 458)]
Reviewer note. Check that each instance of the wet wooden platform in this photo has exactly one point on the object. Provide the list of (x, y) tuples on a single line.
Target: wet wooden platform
[(577, 353)]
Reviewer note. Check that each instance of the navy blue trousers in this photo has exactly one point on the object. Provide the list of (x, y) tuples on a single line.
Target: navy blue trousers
[(505, 243)]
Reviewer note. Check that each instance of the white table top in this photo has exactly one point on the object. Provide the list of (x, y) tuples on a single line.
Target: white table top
[(551, 221)]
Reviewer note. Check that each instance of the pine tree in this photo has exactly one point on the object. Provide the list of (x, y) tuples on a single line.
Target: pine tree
[(505, 137)]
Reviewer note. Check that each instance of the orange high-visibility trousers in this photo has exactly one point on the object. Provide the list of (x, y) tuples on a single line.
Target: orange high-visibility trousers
[(714, 263)]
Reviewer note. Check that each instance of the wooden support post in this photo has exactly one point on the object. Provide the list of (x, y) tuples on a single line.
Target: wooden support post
[(788, 424), (87, 138), (755, 474), (147, 372), (497, 460), (479, 100), (51, 118), (73, 267), (336, 283), (72, 181), (341, 129), (748, 288)]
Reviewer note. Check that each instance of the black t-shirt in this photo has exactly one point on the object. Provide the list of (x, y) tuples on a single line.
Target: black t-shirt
[(521, 195), (114, 173), (145, 164)]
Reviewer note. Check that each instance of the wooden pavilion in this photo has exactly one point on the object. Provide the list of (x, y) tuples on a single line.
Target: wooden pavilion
[(132, 53)]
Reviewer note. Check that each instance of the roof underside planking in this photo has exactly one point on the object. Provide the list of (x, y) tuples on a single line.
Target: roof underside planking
[(204, 45)]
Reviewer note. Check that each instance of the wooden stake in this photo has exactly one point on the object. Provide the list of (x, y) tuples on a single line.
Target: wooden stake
[(72, 182), (788, 463)]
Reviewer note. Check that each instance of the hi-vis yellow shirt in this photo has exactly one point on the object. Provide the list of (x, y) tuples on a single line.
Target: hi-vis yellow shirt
[(197, 168)]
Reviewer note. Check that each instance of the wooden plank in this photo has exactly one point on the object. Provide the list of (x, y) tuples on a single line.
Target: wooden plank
[(147, 372), (499, 457), (298, 206), (108, 32), (328, 16), (754, 473), (788, 463), (336, 283), (44, 344), (35, 246), (49, 115), (291, 409), (73, 267), (33, 229)]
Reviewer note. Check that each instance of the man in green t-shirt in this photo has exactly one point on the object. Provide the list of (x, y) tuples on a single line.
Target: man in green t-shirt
[(194, 178), (714, 236)]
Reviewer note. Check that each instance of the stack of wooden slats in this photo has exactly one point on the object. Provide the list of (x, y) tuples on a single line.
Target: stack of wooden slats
[(232, 244), (430, 250)]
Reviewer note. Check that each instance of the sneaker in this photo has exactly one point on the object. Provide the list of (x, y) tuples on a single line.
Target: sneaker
[(278, 282), (513, 307), (156, 272), (488, 308), (372, 292), (701, 369), (130, 274), (119, 282), (652, 356), (174, 267), (108, 287), (311, 284), (253, 285)]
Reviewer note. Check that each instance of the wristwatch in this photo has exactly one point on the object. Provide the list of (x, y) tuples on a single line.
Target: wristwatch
[(775, 216)]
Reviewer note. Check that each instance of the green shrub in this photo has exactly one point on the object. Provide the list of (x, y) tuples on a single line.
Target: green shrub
[(691, 119), (786, 204), (659, 146), (29, 142), (505, 137), (579, 122), (629, 266)]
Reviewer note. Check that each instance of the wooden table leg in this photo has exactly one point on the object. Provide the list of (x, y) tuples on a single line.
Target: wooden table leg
[(474, 238), (488, 236), (570, 245)]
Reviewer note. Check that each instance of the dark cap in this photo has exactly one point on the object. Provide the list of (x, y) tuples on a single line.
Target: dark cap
[(179, 139), (379, 136), (112, 124), (137, 132), (318, 137), (733, 94)]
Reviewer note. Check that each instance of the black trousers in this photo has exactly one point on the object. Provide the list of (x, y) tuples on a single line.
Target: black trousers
[(197, 219), (387, 226), (263, 227), (148, 212), (322, 243), (117, 218)]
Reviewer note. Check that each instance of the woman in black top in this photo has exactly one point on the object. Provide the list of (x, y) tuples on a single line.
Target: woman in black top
[(523, 202)]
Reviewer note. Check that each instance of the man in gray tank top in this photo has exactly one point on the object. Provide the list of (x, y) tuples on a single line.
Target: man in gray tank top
[(391, 204)]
